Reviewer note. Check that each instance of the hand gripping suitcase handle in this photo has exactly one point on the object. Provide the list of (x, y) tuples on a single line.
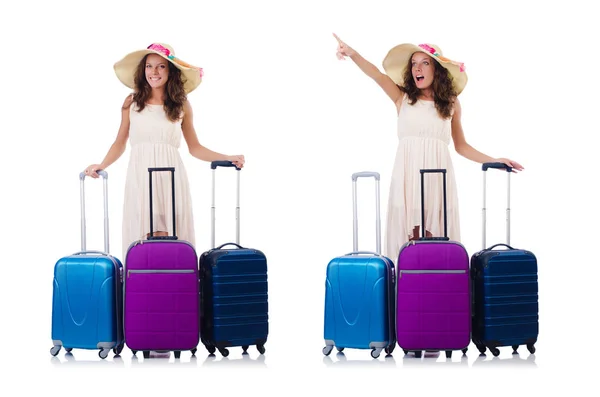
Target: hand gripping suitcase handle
[(355, 176), (104, 176), (213, 166), (500, 166), (423, 235), (222, 163), (172, 171)]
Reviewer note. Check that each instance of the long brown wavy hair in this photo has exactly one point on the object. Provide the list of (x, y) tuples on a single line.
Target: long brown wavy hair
[(175, 94), (443, 88)]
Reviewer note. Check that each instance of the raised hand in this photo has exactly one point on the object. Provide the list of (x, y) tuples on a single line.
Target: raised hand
[(343, 50)]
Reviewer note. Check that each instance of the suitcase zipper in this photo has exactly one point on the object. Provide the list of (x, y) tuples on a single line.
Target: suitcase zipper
[(430, 272), (164, 271)]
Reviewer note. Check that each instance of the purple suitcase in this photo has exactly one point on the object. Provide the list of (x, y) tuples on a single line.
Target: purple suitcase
[(433, 300), (162, 291)]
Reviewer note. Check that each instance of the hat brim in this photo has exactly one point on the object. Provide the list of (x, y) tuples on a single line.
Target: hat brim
[(125, 70), (396, 61)]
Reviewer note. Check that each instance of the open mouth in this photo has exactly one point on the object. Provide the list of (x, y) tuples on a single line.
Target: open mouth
[(419, 78)]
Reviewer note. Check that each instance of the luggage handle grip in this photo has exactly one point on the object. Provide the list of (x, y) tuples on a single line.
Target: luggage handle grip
[(363, 252), (500, 166), (91, 252), (223, 245), (500, 244), (102, 173), (365, 174), (223, 163)]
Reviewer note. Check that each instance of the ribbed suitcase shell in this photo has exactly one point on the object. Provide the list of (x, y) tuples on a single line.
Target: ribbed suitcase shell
[(234, 299), (505, 299)]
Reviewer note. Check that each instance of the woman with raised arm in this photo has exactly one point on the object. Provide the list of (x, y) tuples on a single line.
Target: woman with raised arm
[(424, 85)]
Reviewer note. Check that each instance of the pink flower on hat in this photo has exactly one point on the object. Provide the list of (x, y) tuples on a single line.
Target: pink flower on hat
[(432, 51)]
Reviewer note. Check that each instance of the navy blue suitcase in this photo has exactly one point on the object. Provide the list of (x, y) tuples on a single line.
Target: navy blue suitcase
[(360, 294), (504, 290), (233, 290), (87, 297)]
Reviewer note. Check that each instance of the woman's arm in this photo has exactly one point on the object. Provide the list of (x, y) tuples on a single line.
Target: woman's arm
[(464, 149), (384, 81), (195, 148)]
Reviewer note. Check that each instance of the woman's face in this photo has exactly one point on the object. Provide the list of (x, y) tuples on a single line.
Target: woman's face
[(422, 70), (157, 70)]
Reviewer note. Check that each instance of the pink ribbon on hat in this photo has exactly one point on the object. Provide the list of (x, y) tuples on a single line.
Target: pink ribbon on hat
[(433, 52), (165, 51)]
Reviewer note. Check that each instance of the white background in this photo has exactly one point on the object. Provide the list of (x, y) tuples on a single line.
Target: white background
[(275, 92)]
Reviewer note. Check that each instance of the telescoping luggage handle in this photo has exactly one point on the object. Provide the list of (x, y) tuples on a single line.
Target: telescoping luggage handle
[(172, 171), (214, 165), (104, 176), (423, 235), (500, 166), (355, 176)]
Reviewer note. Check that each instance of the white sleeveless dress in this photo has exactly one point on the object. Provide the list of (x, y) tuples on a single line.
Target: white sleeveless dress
[(423, 143), (155, 142)]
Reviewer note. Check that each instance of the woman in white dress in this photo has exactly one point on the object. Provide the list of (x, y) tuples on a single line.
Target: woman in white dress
[(154, 118), (424, 85)]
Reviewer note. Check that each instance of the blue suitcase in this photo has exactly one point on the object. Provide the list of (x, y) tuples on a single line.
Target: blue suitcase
[(234, 309), (87, 300), (360, 294), (504, 290)]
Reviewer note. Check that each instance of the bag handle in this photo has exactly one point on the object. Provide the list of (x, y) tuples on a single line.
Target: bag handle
[(172, 171), (355, 176), (433, 171)]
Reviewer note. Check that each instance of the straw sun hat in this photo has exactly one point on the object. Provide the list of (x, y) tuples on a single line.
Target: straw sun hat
[(125, 68), (397, 59)]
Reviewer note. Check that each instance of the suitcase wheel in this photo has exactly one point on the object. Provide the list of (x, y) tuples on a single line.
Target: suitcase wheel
[(194, 350), (103, 353), (418, 354), (340, 349), (481, 348), (464, 351), (146, 354), (390, 349), (495, 351), (375, 352), (326, 350), (245, 349), (224, 352), (177, 354), (531, 348), (118, 349), (515, 348), (448, 353), (54, 350), (261, 349), (68, 349)]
